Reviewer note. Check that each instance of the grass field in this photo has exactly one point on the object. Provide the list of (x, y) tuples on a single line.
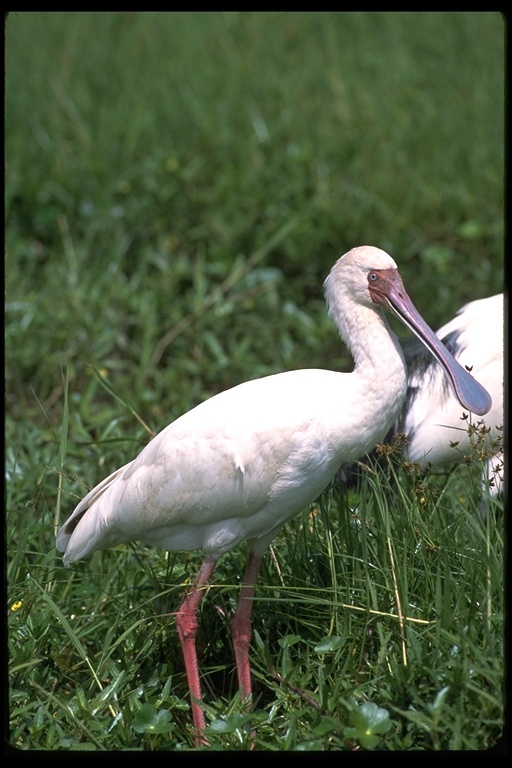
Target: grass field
[(178, 186)]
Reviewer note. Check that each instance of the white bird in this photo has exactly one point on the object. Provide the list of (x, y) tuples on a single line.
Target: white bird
[(242, 463), (431, 419)]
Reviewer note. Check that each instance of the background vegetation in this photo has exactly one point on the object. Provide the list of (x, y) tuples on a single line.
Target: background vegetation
[(178, 186)]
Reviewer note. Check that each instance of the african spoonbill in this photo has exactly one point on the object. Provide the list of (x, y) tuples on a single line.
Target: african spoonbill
[(433, 420), (434, 423), (239, 465)]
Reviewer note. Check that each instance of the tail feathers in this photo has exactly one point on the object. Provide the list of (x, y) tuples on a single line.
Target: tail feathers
[(80, 534)]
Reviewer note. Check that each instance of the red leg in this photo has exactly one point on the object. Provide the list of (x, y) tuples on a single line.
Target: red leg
[(241, 630), (187, 625)]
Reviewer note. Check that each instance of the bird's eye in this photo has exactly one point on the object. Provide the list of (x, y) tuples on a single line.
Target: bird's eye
[(373, 277)]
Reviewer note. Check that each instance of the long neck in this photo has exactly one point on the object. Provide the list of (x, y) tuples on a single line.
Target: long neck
[(380, 372), (371, 341)]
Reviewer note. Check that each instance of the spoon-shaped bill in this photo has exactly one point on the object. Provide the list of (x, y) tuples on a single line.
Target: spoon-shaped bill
[(386, 288)]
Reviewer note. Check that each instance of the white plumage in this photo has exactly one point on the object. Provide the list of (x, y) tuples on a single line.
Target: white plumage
[(241, 464), (236, 467), (430, 417)]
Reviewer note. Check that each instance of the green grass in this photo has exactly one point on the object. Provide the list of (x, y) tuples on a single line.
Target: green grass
[(177, 188)]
